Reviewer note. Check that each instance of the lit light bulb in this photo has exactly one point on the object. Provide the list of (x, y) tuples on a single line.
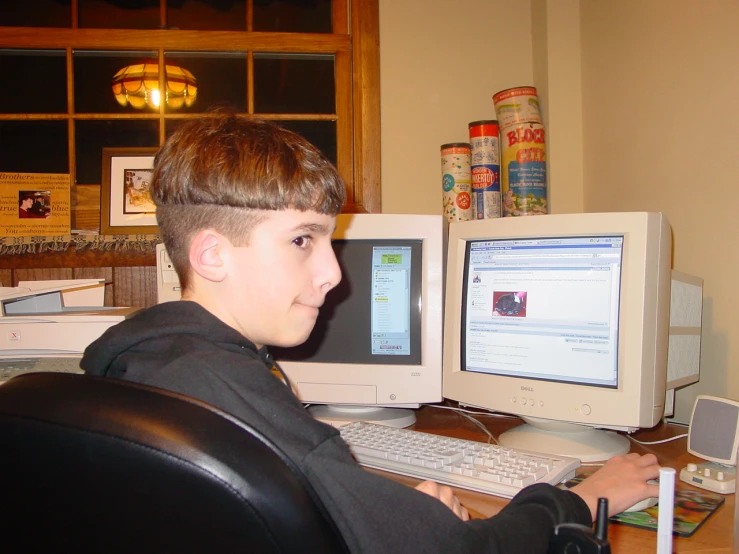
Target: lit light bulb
[(137, 85)]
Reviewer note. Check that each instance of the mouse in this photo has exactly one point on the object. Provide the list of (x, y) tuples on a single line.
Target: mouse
[(646, 503)]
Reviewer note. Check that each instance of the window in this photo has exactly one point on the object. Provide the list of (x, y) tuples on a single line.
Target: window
[(312, 65)]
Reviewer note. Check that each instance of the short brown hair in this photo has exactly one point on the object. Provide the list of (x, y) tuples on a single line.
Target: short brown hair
[(214, 170)]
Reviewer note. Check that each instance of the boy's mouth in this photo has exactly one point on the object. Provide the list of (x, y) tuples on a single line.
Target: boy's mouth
[(312, 307)]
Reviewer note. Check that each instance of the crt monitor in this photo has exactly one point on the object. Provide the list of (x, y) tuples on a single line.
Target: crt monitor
[(375, 352), (562, 320)]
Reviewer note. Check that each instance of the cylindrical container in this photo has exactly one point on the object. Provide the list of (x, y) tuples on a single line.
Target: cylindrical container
[(524, 170), (515, 106), (455, 181), (485, 169), (666, 515)]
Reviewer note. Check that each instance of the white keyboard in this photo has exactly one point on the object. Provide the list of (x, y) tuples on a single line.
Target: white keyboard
[(10, 367), (477, 466)]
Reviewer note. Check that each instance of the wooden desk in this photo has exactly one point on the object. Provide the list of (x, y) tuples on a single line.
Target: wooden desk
[(715, 536)]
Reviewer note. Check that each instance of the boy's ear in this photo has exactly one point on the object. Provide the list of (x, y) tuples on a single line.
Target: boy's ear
[(209, 255)]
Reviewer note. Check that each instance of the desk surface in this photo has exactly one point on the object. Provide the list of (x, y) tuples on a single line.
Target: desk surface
[(715, 536)]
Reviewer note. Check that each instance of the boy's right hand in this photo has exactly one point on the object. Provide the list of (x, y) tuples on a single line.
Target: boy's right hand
[(446, 496), (623, 480)]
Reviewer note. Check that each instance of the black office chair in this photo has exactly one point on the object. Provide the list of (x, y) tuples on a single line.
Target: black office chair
[(91, 464)]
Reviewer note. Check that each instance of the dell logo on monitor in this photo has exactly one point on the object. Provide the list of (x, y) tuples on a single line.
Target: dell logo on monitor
[(529, 389)]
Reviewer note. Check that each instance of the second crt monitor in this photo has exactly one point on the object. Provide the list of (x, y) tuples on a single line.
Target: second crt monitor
[(375, 351), (562, 320)]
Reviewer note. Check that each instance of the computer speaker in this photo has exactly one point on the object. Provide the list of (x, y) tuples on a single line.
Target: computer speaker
[(713, 435)]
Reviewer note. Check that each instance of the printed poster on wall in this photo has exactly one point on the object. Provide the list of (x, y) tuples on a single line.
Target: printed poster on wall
[(35, 204)]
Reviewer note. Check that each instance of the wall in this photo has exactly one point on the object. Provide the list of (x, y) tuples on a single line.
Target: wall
[(660, 80), (440, 65), (439, 69), (639, 106)]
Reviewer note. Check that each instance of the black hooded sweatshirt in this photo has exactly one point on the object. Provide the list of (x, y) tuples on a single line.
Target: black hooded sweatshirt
[(182, 347)]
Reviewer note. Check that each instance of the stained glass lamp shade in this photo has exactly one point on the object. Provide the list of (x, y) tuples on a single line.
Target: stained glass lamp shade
[(138, 85)]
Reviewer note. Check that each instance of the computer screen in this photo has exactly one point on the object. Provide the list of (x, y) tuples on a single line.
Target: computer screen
[(562, 320), (375, 352)]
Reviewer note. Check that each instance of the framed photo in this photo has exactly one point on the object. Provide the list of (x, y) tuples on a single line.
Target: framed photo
[(126, 206), (35, 204)]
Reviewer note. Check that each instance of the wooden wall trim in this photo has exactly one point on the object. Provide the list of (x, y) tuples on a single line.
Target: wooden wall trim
[(82, 258)]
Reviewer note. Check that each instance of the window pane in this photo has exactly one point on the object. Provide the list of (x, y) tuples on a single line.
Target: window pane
[(292, 16), (119, 14), (221, 80), (93, 77), (39, 80), (171, 125), (36, 13), (294, 83), (208, 15), (320, 133), (34, 147), (93, 136)]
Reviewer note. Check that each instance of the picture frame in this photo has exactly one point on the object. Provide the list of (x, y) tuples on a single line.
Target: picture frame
[(126, 207)]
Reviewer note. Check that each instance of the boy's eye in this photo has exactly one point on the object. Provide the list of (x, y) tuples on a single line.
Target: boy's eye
[(301, 242)]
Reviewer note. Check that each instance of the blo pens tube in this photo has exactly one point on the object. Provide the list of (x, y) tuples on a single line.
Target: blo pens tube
[(666, 510)]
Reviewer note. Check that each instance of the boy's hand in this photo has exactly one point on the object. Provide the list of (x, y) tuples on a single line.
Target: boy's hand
[(623, 480), (447, 497)]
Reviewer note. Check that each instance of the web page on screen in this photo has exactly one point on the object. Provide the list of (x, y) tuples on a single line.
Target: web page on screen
[(543, 308)]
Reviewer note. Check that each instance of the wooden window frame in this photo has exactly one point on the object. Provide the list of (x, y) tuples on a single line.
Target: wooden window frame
[(354, 43)]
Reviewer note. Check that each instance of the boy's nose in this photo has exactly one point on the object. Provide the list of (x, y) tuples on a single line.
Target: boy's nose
[(331, 273)]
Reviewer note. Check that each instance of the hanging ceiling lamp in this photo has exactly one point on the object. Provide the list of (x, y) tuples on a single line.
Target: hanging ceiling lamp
[(138, 85)]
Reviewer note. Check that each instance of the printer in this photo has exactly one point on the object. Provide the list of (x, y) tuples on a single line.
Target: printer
[(46, 325)]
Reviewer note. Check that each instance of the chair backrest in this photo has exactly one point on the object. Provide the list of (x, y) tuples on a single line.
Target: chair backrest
[(94, 464)]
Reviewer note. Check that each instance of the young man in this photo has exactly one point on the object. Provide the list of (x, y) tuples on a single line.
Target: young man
[(24, 204), (246, 210), (26, 208)]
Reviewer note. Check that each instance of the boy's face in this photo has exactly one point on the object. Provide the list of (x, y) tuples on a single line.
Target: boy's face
[(281, 278)]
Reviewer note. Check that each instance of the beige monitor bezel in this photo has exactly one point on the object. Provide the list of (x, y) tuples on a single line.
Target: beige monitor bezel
[(638, 400), (377, 384)]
